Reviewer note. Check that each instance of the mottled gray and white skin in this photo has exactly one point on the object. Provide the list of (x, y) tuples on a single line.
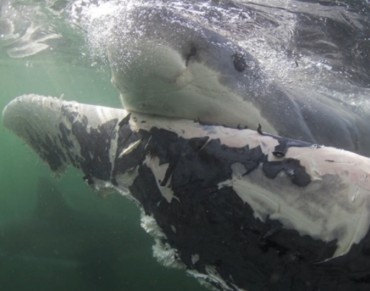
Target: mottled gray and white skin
[(273, 214), (167, 63), (240, 209)]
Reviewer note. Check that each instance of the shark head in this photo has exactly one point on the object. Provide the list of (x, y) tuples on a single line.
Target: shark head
[(167, 65)]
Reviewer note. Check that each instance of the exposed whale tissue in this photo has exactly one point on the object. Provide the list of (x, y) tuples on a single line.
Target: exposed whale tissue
[(242, 133)]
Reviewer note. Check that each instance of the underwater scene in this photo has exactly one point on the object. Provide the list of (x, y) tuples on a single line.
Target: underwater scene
[(56, 233), (169, 81)]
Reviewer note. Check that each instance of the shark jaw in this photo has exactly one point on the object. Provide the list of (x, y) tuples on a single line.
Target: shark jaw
[(160, 82), (220, 202)]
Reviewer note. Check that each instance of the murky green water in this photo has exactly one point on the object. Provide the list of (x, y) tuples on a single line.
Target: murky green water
[(57, 234)]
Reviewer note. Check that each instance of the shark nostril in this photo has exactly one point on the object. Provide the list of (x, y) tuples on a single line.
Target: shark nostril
[(192, 53)]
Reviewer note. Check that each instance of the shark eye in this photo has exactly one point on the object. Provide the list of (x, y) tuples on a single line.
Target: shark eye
[(239, 62), (192, 53)]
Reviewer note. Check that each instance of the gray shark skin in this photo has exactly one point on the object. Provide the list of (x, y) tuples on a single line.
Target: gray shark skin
[(239, 209), (344, 43), (168, 64)]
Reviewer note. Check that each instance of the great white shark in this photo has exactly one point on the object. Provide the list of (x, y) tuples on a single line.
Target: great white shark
[(169, 65), (257, 208)]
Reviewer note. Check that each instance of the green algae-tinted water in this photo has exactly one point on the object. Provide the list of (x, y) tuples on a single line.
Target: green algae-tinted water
[(56, 233)]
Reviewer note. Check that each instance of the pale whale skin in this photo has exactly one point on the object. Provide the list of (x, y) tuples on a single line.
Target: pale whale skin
[(240, 209)]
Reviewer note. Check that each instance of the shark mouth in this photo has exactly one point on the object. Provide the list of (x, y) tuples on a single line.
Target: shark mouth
[(237, 208)]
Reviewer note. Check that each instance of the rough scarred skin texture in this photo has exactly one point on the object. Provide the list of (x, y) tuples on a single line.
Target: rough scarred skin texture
[(219, 227), (210, 226)]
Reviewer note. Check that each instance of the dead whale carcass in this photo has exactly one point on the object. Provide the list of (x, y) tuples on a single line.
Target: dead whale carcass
[(238, 209)]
